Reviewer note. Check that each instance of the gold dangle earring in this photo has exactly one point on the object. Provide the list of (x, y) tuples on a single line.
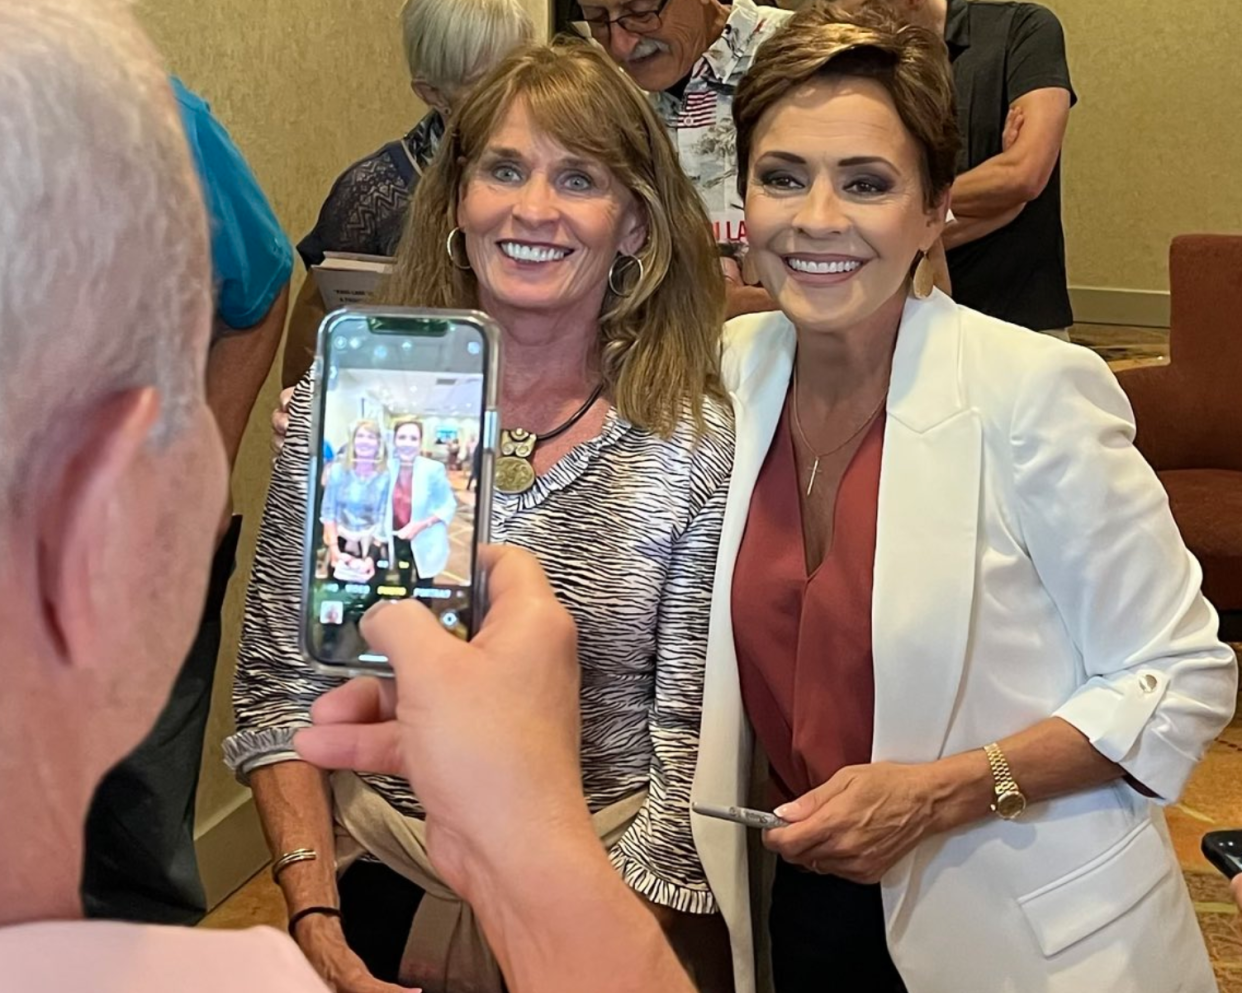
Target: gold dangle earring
[(924, 277)]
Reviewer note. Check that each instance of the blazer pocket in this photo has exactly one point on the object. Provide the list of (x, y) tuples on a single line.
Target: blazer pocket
[(1094, 895)]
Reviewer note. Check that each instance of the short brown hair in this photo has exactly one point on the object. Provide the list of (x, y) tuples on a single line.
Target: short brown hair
[(825, 40), (659, 343), (404, 421)]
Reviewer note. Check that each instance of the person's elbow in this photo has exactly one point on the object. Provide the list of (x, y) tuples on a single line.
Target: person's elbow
[(1157, 720), (261, 320), (1031, 178)]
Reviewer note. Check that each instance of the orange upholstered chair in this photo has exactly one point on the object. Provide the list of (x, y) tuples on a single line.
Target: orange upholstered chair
[(1189, 413)]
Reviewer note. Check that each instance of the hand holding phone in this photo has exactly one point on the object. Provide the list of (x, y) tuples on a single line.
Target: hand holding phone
[(745, 816)]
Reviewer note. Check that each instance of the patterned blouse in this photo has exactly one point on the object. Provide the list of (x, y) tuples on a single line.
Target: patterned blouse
[(627, 527), (365, 212)]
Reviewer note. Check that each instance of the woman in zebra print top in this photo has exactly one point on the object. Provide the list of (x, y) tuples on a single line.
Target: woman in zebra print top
[(594, 255)]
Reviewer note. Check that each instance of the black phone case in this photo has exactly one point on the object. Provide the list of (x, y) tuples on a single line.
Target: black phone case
[(1213, 850)]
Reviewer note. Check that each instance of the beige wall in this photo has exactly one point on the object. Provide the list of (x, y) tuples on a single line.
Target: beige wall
[(1153, 148), (305, 89)]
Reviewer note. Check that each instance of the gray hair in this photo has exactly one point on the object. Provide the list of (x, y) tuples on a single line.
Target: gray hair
[(104, 269), (447, 42)]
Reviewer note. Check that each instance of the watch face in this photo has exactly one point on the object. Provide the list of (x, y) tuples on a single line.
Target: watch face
[(1010, 805)]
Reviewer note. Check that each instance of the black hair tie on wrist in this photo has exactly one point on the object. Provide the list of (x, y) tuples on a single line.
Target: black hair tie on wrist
[(307, 911)]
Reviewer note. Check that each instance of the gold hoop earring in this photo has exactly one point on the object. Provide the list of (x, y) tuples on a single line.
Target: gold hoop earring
[(627, 261), (448, 247), (924, 284)]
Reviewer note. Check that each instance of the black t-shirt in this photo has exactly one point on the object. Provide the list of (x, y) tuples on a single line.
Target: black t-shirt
[(1000, 52)]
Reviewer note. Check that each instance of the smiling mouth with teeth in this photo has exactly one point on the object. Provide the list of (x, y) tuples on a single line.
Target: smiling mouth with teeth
[(823, 268), (532, 253)]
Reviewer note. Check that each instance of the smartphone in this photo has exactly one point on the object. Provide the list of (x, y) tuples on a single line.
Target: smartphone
[(740, 815), (1224, 850), (403, 440)]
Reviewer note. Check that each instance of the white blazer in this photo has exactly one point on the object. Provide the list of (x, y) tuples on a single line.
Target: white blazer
[(431, 493), (1026, 566)]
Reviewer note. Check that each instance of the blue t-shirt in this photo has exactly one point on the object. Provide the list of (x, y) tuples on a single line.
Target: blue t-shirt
[(250, 255)]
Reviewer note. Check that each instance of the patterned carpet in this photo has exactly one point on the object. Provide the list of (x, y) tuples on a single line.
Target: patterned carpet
[(1123, 347)]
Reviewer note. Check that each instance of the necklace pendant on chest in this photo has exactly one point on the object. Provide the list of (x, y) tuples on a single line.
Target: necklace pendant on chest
[(514, 471), (814, 472)]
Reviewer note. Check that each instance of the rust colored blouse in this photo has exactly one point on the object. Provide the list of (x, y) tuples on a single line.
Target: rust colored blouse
[(803, 639)]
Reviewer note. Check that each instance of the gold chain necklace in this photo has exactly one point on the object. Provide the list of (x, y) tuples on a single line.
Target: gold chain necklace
[(515, 472), (832, 451)]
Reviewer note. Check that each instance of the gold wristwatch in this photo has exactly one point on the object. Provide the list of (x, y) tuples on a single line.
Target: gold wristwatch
[(1009, 799)]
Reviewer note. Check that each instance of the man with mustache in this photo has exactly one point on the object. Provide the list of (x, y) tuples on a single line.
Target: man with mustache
[(692, 54)]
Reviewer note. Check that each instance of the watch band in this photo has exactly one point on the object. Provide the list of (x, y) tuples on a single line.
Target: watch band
[(1010, 802), (1002, 775)]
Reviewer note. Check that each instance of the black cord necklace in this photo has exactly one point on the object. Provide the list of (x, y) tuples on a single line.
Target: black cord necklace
[(514, 471)]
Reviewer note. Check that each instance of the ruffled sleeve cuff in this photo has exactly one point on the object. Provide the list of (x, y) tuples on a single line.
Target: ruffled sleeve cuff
[(248, 750), (676, 896)]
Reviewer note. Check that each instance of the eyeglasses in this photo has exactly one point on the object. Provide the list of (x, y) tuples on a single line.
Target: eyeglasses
[(637, 22)]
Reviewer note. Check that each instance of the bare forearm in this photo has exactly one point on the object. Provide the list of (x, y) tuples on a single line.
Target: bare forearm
[(293, 803), (1049, 759), (564, 922), (237, 367), (998, 185), (965, 229), (307, 314)]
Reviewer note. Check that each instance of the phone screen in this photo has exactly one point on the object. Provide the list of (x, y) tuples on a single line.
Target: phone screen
[(401, 473)]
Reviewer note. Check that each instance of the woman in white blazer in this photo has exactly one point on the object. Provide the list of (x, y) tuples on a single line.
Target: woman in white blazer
[(423, 506), (939, 540)]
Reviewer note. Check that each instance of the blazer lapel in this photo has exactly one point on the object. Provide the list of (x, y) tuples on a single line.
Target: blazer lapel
[(926, 537), (757, 364), (757, 367), (758, 360)]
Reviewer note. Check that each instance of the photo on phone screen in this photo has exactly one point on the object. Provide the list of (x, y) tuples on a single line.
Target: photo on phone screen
[(401, 478)]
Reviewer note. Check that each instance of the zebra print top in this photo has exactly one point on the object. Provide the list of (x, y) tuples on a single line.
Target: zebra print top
[(627, 527)]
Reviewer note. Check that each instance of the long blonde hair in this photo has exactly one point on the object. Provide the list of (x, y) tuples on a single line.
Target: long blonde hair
[(381, 456), (660, 342)]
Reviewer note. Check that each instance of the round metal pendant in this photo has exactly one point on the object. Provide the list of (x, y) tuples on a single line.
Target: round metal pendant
[(519, 442), (514, 475)]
